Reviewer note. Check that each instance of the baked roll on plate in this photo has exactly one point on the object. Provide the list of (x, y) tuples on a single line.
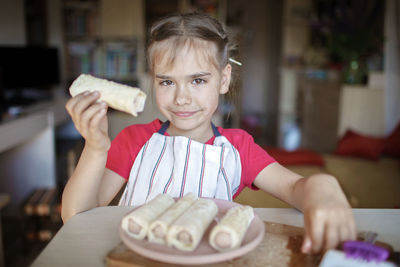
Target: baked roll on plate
[(229, 232), (187, 231), (137, 222), (204, 253), (158, 229)]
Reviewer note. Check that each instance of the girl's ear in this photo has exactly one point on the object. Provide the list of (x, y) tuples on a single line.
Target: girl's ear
[(225, 79)]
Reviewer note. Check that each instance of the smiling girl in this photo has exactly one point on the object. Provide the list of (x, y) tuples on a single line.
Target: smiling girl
[(189, 61)]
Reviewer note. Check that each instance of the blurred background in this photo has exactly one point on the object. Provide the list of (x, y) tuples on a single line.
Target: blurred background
[(319, 89)]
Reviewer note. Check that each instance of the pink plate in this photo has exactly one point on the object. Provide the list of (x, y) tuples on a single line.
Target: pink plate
[(204, 253)]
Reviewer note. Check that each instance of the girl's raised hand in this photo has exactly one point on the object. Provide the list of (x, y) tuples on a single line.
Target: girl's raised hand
[(90, 119), (328, 220)]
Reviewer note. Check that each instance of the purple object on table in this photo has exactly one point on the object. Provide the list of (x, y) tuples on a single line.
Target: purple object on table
[(364, 250)]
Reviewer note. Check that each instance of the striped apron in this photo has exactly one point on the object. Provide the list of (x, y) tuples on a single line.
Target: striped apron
[(177, 165)]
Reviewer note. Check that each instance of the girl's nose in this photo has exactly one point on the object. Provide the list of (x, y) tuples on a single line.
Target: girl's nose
[(182, 96)]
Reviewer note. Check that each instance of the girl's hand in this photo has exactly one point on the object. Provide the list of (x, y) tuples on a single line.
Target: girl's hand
[(90, 119), (328, 218)]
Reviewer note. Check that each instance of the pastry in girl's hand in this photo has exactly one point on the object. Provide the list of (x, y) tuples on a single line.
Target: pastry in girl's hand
[(187, 231), (158, 229), (229, 232), (137, 223), (118, 96)]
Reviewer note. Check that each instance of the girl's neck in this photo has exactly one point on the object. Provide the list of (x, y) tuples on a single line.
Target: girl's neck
[(200, 135)]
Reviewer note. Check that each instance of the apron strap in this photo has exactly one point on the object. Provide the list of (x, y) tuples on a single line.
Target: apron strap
[(215, 130), (165, 126)]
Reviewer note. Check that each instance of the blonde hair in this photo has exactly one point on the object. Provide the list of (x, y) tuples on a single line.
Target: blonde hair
[(196, 30)]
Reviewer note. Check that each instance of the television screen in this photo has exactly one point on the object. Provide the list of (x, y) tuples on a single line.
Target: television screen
[(29, 67)]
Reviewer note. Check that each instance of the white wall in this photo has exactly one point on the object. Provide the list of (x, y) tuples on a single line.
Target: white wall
[(12, 22), (392, 65), (261, 57), (254, 58), (295, 40), (55, 30)]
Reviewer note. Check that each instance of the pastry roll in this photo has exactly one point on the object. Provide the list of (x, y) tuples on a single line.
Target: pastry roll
[(137, 223), (186, 232), (229, 232), (158, 229), (118, 96)]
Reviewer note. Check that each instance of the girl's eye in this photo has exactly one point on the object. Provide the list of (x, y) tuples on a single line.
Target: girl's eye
[(166, 83), (198, 81)]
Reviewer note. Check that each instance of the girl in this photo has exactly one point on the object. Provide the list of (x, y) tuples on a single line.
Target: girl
[(189, 61)]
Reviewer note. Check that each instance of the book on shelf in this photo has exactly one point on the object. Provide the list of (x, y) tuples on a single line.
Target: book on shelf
[(110, 60), (32, 201), (43, 214), (88, 51), (120, 59), (46, 230), (83, 58), (47, 201), (43, 202), (40, 229), (80, 19)]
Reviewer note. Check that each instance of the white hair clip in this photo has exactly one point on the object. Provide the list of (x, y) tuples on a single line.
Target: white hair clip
[(235, 61)]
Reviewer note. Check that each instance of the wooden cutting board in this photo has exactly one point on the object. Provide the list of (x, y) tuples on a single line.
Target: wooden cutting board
[(280, 247)]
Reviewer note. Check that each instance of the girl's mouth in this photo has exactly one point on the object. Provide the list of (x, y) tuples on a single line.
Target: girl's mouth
[(184, 114)]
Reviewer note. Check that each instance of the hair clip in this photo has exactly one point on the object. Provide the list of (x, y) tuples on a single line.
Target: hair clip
[(235, 61)]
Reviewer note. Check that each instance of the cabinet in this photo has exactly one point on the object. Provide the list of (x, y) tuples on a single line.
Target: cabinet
[(318, 109), (27, 151), (309, 110)]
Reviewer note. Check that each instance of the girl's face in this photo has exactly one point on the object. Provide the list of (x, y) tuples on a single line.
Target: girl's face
[(187, 92)]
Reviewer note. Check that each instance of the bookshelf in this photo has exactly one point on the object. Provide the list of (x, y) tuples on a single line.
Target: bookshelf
[(91, 47), (109, 58)]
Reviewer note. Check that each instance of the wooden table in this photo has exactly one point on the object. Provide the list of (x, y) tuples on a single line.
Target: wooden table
[(86, 238)]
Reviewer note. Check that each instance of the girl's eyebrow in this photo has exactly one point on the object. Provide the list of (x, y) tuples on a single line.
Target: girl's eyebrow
[(193, 76), (199, 74), (162, 77)]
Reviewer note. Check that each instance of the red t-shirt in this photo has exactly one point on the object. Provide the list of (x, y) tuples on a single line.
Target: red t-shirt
[(126, 146)]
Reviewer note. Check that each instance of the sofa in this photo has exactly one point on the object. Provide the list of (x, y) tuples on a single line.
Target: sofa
[(366, 167), (366, 183)]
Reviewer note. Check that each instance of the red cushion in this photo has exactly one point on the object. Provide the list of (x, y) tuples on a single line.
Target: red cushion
[(297, 157), (358, 145), (392, 143)]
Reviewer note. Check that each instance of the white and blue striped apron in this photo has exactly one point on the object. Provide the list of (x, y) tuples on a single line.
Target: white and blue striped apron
[(177, 165)]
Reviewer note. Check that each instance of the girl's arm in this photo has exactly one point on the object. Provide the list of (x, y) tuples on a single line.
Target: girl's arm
[(328, 219), (91, 185), (90, 176)]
